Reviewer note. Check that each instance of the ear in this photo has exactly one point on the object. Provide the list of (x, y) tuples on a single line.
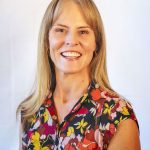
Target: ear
[(95, 52)]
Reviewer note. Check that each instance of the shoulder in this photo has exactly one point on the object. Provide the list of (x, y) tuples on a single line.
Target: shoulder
[(113, 107), (112, 111)]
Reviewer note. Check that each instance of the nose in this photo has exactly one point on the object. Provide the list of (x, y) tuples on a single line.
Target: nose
[(71, 39)]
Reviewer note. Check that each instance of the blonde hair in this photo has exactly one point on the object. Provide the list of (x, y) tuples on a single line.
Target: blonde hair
[(45, 77)]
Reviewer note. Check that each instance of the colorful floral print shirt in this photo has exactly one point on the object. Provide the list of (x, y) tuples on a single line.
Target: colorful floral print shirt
[(89, 126)]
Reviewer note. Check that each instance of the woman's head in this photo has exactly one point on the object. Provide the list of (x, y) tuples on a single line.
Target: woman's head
[(71, 41), (93, 19)]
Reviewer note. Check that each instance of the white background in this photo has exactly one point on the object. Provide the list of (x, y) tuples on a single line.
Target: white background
[(127, 24)]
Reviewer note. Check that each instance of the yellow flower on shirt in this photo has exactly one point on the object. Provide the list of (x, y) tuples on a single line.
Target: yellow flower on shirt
[(70, 131), (107, 109), (125, 111), (81, 125), (45, 115), (35, 139)]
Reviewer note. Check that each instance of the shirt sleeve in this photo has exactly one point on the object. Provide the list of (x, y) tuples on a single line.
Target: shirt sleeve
[(123, 110), (114, 112)]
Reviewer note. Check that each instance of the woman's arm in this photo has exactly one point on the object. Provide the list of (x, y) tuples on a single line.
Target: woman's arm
[(126, 137)]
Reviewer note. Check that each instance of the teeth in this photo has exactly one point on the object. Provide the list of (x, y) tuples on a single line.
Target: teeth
[(71, 54)]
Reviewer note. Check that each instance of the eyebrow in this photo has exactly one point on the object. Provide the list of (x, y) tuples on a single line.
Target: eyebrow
[(80, 27)]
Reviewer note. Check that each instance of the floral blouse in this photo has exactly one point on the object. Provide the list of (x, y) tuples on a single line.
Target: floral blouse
[(90, 125)]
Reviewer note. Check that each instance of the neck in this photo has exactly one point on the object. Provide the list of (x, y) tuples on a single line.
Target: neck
[(70, 87)]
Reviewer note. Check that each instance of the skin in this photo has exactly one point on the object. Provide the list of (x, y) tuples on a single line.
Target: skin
[(126, 137), (70, 32)]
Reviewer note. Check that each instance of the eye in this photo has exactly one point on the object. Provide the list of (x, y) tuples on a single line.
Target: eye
[(84, 32), (61, 30)]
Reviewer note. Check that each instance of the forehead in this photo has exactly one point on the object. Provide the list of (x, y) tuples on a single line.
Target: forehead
[(69, 11)]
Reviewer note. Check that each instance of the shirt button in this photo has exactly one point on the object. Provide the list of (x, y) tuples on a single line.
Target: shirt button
[(54, 117)]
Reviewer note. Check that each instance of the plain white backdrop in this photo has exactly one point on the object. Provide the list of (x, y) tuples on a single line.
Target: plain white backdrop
[(127, 30)]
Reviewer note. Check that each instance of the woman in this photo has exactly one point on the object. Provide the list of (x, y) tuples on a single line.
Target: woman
[(73, 106)]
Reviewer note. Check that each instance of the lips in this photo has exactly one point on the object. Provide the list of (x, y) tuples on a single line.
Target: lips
[(71, 54)]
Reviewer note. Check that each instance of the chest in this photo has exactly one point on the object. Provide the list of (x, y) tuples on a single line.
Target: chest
[(63, 110), (78, 131)]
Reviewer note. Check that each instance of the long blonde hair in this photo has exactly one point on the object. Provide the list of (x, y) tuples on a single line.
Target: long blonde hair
[(45, 76)]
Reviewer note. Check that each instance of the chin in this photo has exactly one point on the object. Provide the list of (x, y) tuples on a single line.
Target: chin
[(71, 70)]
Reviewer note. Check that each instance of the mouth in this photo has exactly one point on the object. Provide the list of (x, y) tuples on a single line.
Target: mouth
[(71, 54)]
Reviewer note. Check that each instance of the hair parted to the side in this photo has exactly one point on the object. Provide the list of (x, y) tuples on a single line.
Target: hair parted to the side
[(45, 76)]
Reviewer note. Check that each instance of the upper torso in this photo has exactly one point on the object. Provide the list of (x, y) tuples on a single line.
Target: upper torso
[(90, 124)]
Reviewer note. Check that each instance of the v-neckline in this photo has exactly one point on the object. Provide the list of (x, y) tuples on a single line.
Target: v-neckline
[(75, 108)]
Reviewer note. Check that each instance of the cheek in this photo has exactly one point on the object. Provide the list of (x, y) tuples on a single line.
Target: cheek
[(89, 43), (55, 42), (89, 46)]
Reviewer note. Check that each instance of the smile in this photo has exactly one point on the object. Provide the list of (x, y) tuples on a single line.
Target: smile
[(71, 54)]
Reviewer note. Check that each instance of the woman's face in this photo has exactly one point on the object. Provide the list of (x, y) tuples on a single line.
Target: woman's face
[(72, 41)]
